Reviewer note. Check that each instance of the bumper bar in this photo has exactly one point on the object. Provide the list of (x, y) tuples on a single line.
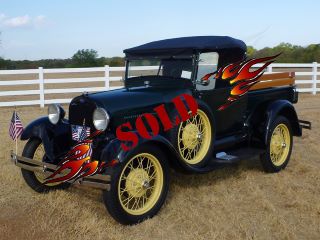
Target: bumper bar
[(100, 181), (305, 124)]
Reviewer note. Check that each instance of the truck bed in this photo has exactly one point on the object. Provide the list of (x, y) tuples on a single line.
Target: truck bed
[(279, 86)]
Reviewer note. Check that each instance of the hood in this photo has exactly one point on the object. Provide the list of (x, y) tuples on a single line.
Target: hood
[(126, 99), (124, 103)]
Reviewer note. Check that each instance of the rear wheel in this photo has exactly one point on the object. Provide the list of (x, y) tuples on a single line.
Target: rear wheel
[(34, 149), (139, 186), (279, 146), (193, 139)]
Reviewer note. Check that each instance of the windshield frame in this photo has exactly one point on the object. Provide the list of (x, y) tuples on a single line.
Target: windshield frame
[(193, 58)]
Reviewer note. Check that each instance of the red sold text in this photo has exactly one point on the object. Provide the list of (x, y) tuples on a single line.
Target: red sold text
[(186, 107)]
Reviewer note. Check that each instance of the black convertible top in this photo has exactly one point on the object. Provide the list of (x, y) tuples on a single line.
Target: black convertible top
[(186, 45)]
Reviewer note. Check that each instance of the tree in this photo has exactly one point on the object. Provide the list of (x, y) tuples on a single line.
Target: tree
[(251, 51), (85, 58), (116, 62)]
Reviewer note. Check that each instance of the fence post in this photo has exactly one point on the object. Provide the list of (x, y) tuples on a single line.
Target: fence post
[(41, 86), (107, 77), (269, 68), (314, 77)]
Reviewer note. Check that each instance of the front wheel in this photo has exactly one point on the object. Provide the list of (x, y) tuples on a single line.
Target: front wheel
[(139, 186), (34, 149), (279, 146)]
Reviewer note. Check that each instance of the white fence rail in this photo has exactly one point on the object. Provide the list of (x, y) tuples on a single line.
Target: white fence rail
[(310, 71)]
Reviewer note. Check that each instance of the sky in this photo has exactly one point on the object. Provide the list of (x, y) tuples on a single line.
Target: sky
[(40, 29)]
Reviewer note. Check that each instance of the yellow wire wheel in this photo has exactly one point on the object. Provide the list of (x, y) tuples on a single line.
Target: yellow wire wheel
[(194, 138), (140, 184), (38, 156), (280, 144)]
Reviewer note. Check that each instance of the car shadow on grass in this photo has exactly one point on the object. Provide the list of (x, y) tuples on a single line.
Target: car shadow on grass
[(221, 173)]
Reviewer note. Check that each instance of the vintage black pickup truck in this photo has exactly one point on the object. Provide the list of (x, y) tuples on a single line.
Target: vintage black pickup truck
[(131, 160)]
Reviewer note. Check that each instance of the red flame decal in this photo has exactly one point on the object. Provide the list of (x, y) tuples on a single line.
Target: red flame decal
[(240, 77), (78, 163)]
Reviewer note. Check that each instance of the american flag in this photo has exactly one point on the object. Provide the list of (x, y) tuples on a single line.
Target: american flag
[(79, 133), (16, 128)]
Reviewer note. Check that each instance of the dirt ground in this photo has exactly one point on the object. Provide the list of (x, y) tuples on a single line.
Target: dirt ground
[(238, 202)]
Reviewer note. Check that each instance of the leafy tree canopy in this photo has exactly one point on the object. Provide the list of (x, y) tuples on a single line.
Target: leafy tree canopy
[(85, 58)]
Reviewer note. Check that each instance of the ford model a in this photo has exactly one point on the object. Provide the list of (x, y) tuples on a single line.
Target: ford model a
[(186, 114)]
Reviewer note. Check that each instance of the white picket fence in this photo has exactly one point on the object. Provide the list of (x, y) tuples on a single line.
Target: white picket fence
[(312, 72)]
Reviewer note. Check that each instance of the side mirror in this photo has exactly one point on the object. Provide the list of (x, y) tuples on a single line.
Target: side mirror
[(203, 82)]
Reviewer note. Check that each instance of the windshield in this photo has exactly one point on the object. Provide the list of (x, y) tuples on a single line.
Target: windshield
[(172, 67)]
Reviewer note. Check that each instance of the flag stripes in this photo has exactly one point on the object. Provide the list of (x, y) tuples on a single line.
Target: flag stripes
[(15, 128)]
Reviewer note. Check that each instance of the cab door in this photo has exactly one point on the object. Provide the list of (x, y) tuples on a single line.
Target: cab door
[(230, 120)]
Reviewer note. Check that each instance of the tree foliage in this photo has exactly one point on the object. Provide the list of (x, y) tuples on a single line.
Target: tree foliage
[(90, 58), (289, 53), (85, 58)]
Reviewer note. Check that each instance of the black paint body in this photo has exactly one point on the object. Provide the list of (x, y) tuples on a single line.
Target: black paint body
[(245, 122)]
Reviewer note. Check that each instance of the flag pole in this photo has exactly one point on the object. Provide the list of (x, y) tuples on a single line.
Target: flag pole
[(15, 128), (16, 145)]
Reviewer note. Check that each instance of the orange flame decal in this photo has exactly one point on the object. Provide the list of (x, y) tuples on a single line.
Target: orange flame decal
[(78, 162), (240, 76)]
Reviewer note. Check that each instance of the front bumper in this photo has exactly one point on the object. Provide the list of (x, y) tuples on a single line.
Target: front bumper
[(100, 181)]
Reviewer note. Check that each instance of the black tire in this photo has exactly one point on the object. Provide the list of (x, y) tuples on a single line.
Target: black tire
[(266, 160), (112, 198), (173, 136), (29, 176)]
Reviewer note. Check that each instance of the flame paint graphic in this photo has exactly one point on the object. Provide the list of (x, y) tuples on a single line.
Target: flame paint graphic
[(78, 162), (240, 77)]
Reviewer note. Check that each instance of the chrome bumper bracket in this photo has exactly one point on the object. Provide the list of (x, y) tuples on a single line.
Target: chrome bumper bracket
[(99, 181)]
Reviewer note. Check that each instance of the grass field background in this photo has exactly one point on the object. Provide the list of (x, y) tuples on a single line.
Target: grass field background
[(238, 202)]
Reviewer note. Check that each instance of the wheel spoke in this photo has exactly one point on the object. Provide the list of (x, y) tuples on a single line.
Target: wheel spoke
[(135, 203), (194, 120), (127, 200), (131, 165), (144, 198), (140, 163), (153, 176), (149, 165), (184, 148)]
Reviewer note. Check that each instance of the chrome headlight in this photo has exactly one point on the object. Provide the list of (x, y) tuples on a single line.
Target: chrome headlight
[(54, 113), (101, 119)]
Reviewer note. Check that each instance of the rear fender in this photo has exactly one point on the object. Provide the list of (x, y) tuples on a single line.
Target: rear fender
[(55, 138), (286, 109)]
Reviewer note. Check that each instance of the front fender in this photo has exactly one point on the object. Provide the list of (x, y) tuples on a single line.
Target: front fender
[(36, 128), (55, 138), (113, 149), (284, 108)]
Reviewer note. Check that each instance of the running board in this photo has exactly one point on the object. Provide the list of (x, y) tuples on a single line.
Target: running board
[(100, 181), (223, 157), (236, 155)]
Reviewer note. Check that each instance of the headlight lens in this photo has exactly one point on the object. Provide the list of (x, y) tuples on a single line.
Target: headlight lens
[(100, 119), (54, 113)]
